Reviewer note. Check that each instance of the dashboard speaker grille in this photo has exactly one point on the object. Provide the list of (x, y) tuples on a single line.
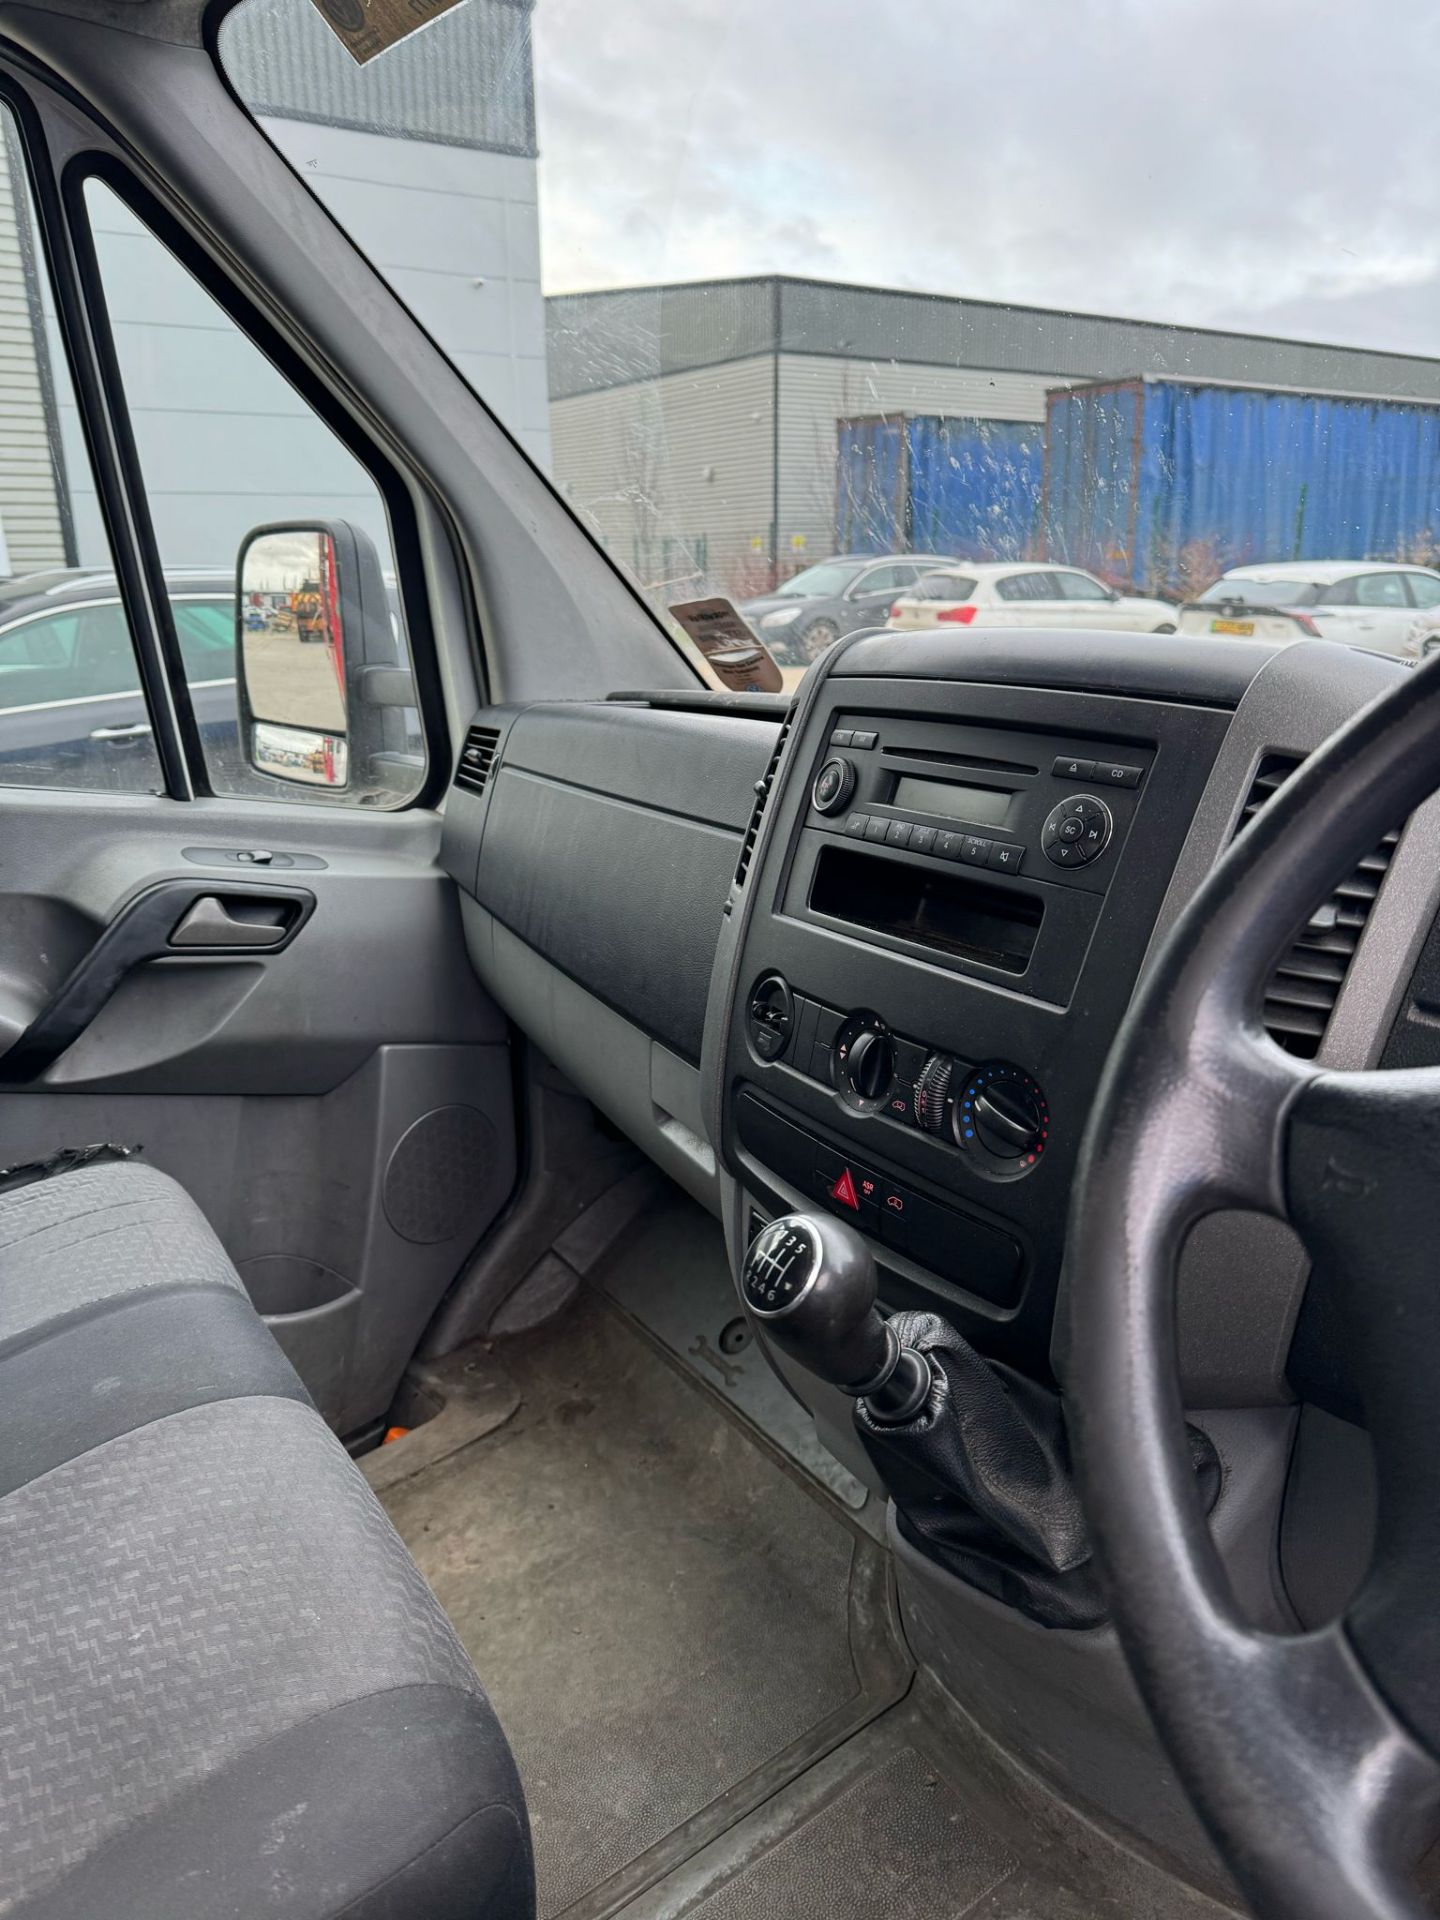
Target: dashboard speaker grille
[(477, 757), (763, 788), (1303, 989)]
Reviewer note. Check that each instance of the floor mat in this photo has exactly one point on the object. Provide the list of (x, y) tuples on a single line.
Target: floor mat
[(896, 1841), (661, 1614), (674, 1278), (885, 1827)]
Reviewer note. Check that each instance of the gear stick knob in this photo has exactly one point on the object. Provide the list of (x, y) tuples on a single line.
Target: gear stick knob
[(811, 1283)]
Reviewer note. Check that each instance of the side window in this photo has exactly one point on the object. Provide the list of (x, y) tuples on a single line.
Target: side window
[(104, 661), (1079, 586), (1026, 586), (1380, 590), (1424, 589), (883, 580), (226, 445), (1340, 594), (206, 629), (71, 710)]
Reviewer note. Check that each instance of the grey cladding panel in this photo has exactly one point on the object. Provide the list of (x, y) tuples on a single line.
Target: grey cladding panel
[(625, 900)]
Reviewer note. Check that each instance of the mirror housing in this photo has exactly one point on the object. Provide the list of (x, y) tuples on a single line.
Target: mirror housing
[(318, 670)]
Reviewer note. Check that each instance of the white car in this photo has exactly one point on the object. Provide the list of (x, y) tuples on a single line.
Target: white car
[(1021, 594), (1380, 606)]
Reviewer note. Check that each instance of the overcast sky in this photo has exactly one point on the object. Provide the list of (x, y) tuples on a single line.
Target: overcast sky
[(1255, 163)]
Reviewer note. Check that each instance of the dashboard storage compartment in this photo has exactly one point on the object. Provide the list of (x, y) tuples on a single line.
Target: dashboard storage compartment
[(992, 926)]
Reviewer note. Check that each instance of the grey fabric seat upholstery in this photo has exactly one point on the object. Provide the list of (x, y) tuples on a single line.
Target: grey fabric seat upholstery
[(224, 1687)]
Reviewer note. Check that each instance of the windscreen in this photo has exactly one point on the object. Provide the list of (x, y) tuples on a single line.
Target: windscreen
[(943, 586), (765, 303)]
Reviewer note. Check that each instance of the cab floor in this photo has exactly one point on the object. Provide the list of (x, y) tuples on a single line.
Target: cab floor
[(691, 1643)]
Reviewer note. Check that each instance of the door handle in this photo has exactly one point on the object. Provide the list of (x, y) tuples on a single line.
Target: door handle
[(246, 923), (143, 930), (134, 732)]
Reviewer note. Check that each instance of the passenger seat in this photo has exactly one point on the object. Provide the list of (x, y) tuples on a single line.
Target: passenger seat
[(225, 1689)]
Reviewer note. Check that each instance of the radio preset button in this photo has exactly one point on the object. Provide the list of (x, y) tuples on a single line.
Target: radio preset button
[(877, 828), (922, 839), (976, 850)]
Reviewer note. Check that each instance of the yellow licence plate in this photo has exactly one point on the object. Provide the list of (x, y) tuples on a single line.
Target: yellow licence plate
[(1232, 626)]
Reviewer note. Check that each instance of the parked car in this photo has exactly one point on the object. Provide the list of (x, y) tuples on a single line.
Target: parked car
[(1376, 605), (1024, 595), (69, 691), (812, 611)]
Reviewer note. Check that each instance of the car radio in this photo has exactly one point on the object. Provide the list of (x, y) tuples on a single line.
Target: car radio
[(978, 796), (989, 848)]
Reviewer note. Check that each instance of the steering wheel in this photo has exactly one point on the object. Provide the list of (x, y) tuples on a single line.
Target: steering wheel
[(1313, 1759)]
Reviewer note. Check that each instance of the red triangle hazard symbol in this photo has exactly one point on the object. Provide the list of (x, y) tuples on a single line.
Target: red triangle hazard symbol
[(844, 1191)]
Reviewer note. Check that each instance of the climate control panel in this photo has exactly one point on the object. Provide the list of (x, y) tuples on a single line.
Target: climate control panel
[(992, 1111)]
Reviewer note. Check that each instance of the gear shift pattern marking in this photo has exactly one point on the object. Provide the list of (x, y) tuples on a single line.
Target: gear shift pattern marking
[(780, 1267)]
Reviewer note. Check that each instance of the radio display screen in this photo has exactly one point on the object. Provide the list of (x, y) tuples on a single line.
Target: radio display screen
[(980, 804)]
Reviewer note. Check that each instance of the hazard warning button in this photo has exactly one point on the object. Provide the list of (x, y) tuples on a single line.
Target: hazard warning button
[(846, 1187)]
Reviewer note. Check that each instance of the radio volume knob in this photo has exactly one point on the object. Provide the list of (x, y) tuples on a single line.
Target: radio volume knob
[(833, 786), (932, 1092)]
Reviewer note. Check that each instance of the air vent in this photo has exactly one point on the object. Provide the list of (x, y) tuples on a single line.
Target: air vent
[(1303, 989), (762, 799), (477, 757)]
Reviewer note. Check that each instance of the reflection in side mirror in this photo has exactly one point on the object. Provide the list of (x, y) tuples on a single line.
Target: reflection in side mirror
[(292, 655), (323, 695), (293, 753)]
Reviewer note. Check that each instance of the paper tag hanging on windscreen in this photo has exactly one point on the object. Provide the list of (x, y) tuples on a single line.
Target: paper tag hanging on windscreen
[(368, 27), (740, 658)]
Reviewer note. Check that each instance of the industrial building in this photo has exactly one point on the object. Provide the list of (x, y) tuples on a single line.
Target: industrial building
[(695, 427), (436, 178)]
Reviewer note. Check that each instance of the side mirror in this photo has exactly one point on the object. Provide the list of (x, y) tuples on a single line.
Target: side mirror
[(317, 659)]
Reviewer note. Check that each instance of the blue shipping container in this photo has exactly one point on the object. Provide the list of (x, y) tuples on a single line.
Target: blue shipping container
[(934, 484), (1162, 484)]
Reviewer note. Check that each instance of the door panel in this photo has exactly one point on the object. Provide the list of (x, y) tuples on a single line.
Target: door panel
[(342, 1110)]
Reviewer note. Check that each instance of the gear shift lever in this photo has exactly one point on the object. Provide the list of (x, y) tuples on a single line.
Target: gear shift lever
[(811, 1281)]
